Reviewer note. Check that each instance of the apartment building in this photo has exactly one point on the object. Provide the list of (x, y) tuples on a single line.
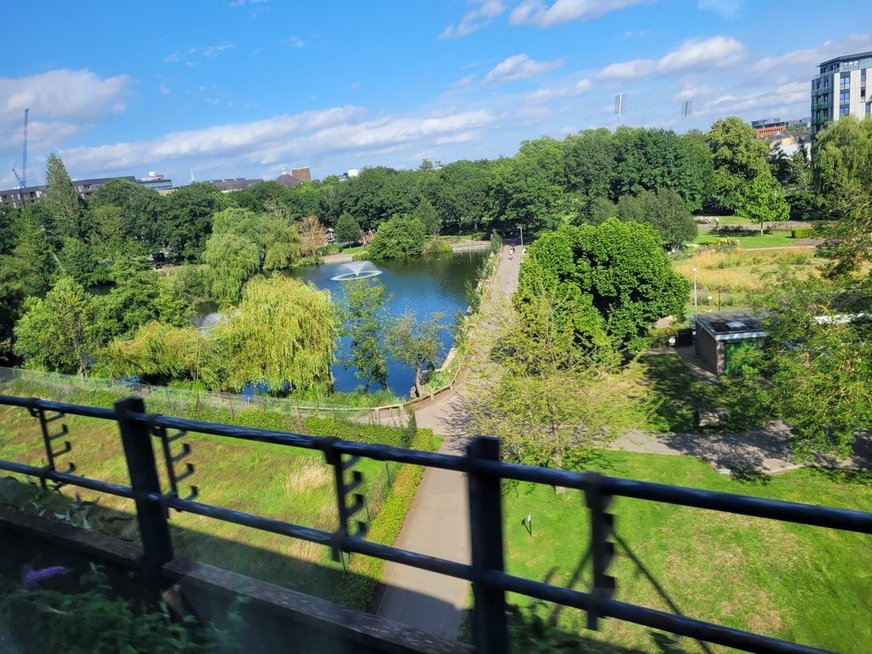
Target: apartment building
[(840, 89)]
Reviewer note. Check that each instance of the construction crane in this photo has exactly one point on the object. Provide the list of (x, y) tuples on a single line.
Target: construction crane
[(22, 179)]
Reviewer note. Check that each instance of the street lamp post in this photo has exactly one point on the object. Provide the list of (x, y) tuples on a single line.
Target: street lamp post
[(521, 227)]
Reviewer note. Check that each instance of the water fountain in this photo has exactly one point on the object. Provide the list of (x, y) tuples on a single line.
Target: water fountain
[(357, 270)]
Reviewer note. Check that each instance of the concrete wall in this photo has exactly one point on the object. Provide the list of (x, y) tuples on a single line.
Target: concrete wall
[(277, 619), (709, 350)]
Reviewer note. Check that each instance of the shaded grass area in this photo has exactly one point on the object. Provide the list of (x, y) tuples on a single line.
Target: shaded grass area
[(804, 584), (285, 483)]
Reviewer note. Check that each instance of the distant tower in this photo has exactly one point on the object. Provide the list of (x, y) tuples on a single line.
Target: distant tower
[(619, 107), (686, 110)]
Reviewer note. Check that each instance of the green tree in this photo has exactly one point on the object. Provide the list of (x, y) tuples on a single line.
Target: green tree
[(160, 353), (142, 214), (365, 318), (589, 158), (416, 344), (348, 229), (607, 285), (63, 199), (79, 261), (550, 406), (282, 334), (738, 157), (843, 179), (763, 200), (400, 237), (460, 194), (281, 243), (815, 366), (232, 259), (188, 221), (521, 194), (665, 211), (57, 332), (242, 222), (426, 213), (175, 300), (132, 302)]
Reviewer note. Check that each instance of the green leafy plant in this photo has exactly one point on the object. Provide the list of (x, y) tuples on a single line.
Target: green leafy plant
[(92, 620)]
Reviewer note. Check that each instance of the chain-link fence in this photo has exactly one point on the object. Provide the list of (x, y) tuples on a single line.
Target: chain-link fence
[(67, 388)]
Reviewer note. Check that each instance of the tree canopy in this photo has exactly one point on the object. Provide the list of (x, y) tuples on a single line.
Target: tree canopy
[(608, 285), (399, 237), (58, 332), (365, 320)]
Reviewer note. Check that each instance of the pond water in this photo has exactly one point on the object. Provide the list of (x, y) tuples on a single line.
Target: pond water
[(423, 286)]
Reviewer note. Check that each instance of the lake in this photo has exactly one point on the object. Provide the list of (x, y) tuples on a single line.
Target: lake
[(423, 285)]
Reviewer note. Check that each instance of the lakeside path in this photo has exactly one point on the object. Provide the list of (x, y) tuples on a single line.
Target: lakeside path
[(437, 522)]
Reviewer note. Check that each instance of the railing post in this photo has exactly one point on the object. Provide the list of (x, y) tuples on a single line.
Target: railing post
[(602, 528), (151, 516), (486, 535)]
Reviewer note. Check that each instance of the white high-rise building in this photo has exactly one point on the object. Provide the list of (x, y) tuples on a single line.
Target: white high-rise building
[(841, 90)]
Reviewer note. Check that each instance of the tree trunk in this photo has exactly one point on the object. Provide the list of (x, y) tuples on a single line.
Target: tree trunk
[(419, 389)]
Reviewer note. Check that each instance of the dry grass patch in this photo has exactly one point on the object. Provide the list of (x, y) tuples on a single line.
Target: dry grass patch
[(307, 473)]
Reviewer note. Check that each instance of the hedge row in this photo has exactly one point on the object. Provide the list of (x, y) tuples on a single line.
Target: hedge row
[(802, 232), (356, 589)]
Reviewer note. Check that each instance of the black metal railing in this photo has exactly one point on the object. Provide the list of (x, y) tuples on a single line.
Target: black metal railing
[(484, 470)]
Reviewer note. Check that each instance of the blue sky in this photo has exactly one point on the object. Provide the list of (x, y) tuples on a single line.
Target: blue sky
[(231, 88)]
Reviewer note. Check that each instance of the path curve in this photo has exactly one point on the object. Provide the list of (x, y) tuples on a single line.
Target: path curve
[(437, 522)]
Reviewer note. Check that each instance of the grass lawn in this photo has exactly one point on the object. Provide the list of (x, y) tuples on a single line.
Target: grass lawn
[(354, 250), (749, 239), (805, 584), (733, 276), (278, 482)]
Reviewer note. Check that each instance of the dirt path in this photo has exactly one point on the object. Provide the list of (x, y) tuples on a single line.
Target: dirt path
[(437, 522)]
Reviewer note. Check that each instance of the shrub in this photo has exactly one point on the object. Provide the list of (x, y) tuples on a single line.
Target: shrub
[(660, 335), (356, 589), (496, 242), (802, 232), (436, 246), (43, 620)]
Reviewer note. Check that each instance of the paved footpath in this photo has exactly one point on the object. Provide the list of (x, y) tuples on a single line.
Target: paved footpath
[(437, 521)]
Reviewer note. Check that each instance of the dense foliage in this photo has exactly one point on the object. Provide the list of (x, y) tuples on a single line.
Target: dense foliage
[(399, 237), (364, 317), (608, 285), (281, 334)]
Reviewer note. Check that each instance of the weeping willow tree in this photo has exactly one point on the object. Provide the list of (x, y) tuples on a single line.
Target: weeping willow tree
[(282, 334), (232, 259), (162, 352)]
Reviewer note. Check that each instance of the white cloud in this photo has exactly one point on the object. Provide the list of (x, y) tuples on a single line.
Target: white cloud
[(728, 9), (695, 54), (627, 70), (804, 61), (191, 56), (242, 3), (718, 51), (302, 136), (556, 92), (519, 66), (295, 41), (536, 12), (61, 102), (463, 82), (474, 19)]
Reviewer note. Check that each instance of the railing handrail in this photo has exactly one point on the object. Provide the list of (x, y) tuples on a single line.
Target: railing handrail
[(484, 471)]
